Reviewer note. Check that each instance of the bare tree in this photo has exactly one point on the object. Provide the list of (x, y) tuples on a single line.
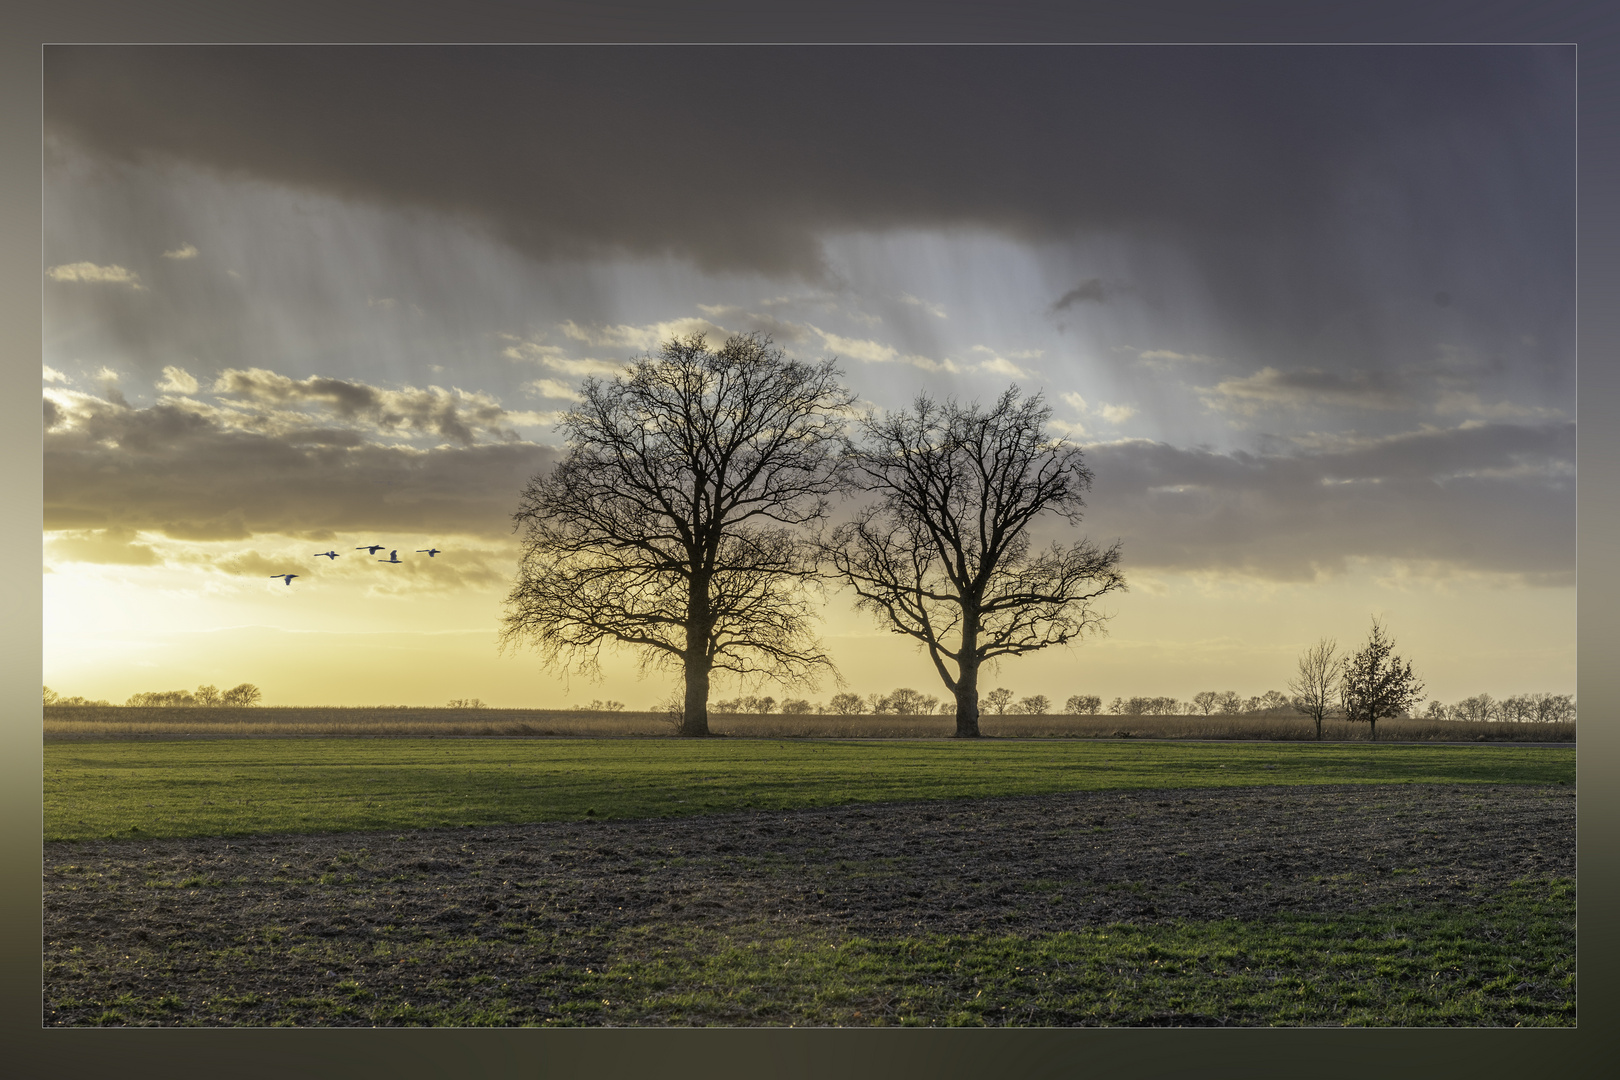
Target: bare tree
[(1035, 705), (242, 695), (1376, 683), (1083, 705), (907, 702), (1479, 709), (669, 526), (1316, 686), (846, 704), (1555, 708), (945, 555), (998, 699)]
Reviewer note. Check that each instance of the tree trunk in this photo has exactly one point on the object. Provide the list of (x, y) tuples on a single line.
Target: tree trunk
[(695, 713), (698, 662), (1318, 727), (967, 700), (1373, 723)]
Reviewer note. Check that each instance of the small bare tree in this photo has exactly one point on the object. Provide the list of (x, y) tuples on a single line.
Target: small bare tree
[(846, 704), (945, 555), (998, 699), (1083, 705), (242, 695), (1376, 683), (1316, 686), (669, 526), (1035, 705)]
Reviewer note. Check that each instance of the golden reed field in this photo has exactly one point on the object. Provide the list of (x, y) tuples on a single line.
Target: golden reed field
[(101, 722)]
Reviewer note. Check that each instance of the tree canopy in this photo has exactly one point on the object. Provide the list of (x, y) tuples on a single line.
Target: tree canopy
[(944, 552), (671, 524)]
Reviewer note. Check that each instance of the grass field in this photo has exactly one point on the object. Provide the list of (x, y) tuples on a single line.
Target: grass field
[(63, 723), (262, 786), (1504, 960), (1437, 907)]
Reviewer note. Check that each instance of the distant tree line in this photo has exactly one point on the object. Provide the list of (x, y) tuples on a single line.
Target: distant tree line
[(238, 696), (1522, 709), (597, 705), (53, 698)]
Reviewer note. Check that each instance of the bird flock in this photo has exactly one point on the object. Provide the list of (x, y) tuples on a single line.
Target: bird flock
[(372, 549)]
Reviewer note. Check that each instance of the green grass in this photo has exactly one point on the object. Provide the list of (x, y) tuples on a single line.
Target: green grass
[(1485, 960), (244, 787)]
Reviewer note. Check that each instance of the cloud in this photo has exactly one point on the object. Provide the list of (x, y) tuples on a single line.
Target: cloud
[(863, 349), (459, 415), (557, 359), (109, 546), (1287, 144), (463, 568), (869, 351), (642, 338), (1000, 365), (1466, 403), (1114, 414), (187, 470), (551, 388), (1481, 497), (52, 375), (1091, 290), (90, 272), (177, 380), (936, 310), (184, 251), (1304, 388), (1166, 359), (252, 564)]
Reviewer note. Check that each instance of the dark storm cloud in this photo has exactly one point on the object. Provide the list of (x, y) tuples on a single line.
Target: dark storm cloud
[(1091, 289), (1490, 497), (1494, 498), (193, 472), (1298, 179)]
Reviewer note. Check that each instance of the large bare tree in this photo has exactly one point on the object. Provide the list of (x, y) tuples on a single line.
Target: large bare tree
[(944, 552), (1377, 684), (1316, 685), (672, 523)]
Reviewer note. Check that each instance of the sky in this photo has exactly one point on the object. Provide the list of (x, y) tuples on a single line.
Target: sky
[(1308, 311)]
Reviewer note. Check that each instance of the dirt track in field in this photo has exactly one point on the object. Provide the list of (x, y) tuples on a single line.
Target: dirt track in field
[(1026, 865)]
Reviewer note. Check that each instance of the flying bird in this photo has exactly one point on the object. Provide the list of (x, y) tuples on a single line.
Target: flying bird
[(374, 548), (393, 556), (430, 551), (328, 554), (289, 577)]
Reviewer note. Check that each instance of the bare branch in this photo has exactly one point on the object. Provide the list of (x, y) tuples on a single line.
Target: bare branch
[(943, 555), (668, 527)]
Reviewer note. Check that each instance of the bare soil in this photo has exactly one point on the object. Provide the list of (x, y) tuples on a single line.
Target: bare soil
[(166, 917)]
